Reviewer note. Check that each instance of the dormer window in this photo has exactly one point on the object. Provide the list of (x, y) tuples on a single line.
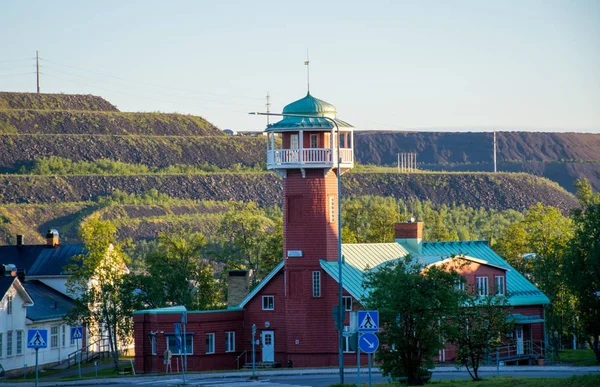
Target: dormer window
[(500, 286), (482, 286)]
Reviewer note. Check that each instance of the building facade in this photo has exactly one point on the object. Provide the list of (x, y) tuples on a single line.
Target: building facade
[(290, 313)]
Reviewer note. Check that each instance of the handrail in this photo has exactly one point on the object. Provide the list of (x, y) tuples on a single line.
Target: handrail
[(237, 359), (89, 353)]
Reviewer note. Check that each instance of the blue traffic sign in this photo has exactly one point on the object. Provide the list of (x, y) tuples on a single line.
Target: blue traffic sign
[(37, 338), (177, 327), (368, 342), (76, 332), (368, 321)]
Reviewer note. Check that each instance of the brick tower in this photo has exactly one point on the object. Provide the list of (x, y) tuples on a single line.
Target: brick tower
[(303, 150)]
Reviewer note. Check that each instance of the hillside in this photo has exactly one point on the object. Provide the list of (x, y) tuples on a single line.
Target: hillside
[(54, 102), (562, 157)]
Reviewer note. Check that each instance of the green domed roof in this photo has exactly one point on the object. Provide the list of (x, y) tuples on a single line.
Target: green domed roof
[(310, 105)]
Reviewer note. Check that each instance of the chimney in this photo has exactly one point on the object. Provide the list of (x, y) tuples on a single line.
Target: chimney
[(237, 286), (9, 270), (20, 240), (52, 238), (410, 235)]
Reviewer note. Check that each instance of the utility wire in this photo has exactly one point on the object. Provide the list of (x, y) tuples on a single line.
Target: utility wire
[(16, 60), (149, 83), (15, 75)]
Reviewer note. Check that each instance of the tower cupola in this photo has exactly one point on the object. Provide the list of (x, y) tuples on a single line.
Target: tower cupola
[(307, 138)]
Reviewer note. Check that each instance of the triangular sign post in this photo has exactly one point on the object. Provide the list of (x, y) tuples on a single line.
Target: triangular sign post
[(368, 321)]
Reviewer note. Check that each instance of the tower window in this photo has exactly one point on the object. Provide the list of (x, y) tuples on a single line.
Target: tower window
[(294, 141), (316, 283), (332, 209), (314, 140)]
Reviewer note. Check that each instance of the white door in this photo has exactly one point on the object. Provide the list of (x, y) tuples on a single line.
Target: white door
[(268, 346), (519, 337)]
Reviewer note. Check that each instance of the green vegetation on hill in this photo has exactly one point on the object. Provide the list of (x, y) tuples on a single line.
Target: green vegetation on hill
[(54, 102)]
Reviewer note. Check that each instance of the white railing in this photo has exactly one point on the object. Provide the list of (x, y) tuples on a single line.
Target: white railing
[(307, 156)]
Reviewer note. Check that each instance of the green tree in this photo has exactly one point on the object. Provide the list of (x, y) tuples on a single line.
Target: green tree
[(476, 329), (582, 264), (512, 245), (177, 274), (100, 287), (412, 301)]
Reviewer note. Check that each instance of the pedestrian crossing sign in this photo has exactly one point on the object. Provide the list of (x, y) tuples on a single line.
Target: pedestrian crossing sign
[(77, 333), (368, 320), (37, 338)]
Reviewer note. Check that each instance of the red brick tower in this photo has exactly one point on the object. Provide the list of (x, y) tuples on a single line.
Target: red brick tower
[(303, 150)]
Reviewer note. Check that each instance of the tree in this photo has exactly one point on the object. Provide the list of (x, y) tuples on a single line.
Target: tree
[(250, 241), (177, 273), (412, 301), (582, 264), (476, 329), (100, 287)]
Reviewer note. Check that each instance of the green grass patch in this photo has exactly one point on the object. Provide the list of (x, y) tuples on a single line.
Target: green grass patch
[(578, 357)]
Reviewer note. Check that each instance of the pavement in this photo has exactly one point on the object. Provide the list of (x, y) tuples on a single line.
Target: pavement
[(262, 373)]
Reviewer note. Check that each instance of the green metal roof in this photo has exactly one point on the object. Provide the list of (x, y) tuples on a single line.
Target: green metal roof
[(310, 105), (261, 284), (360, 257), (166, 310)]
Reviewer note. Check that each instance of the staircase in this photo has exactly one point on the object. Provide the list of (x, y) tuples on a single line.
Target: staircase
[(511, 353), (263, 364), (98, 349)]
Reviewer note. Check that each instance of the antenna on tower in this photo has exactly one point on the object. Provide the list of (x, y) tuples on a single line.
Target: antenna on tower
[(268, 105), (307, 64)]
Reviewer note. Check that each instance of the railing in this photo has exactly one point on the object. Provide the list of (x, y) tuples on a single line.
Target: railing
[(98, 348), (237, 359), (308, 156), (514, 351)]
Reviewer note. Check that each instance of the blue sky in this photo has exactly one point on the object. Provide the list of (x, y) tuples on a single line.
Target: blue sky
[(405, 65)]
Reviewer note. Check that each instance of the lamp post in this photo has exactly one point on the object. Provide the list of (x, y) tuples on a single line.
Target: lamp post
[(340, 326)]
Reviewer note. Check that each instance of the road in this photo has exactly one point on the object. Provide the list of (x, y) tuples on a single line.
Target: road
[(322, 380)]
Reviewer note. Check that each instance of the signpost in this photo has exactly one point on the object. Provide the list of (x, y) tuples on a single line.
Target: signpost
[(181, 348), (36, 339), (368, 325), (253, 358), (77, 333)]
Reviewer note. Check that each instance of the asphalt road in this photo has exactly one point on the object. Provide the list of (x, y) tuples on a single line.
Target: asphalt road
[(323, 380)]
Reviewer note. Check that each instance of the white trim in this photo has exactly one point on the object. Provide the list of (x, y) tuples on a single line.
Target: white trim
[(469, 258), (262, 284)]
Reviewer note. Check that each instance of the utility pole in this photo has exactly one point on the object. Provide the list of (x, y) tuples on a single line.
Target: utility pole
[(268, 105), (37, 66), (494, 151)]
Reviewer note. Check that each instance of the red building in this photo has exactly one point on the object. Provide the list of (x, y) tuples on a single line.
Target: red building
[(291, 309)]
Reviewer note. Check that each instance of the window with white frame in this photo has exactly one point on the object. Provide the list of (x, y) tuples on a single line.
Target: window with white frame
[(316, 283), (54, 337), (347, 300), (1, 345), (482, 286), (294, 141), (229, 341), (314, 140), (9, 343), (178, 349), (153, 344), (63, 335), (460, 284), (268, 303), (500, 286), (9, 300), (210, 343), (19, 342)]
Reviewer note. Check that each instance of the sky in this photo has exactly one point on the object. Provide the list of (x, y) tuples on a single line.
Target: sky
[(448, 65)]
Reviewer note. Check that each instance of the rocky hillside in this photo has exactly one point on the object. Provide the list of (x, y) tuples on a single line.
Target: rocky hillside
[(54, 102), (562, 157)]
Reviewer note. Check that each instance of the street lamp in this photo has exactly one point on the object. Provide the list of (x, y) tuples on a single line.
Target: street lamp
[(339, 247)]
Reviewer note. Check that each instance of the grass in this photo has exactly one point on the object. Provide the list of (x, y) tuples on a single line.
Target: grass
[(578, 357)]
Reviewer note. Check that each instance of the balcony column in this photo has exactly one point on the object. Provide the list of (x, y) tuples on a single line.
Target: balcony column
[(272, 141), (301, 147)]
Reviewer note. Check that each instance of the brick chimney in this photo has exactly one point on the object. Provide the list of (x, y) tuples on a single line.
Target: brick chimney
[(238, 285), (52, 238), (20, 239), (410, 235)]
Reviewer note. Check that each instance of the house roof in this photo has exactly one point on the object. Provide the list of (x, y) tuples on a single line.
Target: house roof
[(359, 258), (7, 282), (49, 304), (41, 260), (261, 285)]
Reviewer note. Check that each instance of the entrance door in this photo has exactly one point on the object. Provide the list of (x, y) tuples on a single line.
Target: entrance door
[(268, 346), (519, 337)]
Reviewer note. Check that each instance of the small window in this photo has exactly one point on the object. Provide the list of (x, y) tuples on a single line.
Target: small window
[(294, 141), (19, 342), (63, 335), (482, 286), (460, 284), (314, 140), (268, 302), (229, 341), (54, 337), (331, 209), (500, 287), (316, 283), (177, 348), (9, 343), (347, 303), (9, 303), (210, 343), (153, 343)]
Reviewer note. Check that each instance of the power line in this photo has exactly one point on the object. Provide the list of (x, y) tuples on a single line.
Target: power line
[(15, 75), (149, 83), (16, 60)]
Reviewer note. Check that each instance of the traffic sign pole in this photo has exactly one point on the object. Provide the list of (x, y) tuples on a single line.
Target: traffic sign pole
[(80, 355), (36, 367), (358, 361), (370, 381)]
